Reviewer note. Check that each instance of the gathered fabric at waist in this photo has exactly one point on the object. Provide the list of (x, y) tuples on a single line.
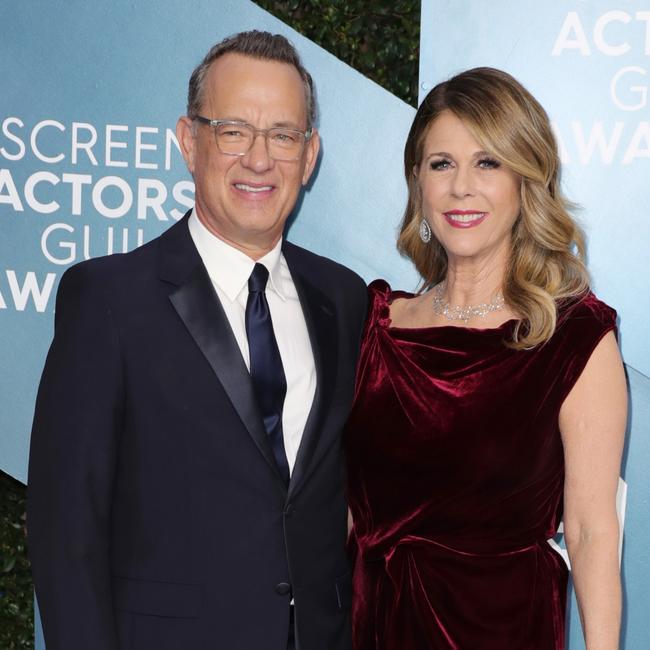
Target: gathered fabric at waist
[(419, 592), (380, 550)]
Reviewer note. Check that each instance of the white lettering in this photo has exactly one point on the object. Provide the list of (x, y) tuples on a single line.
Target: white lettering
[(170, 138), (644, 16), (11, 196), (87, 146), (640, 90), (32, 201), (596, 138), (64, 245), (599, 33), (14, 138), (31, 289), (572, 36), (125, 239), (111, 241), (86, 241), (141, 146), (178, 192), (111, 144), (155, 202), (37, 152), (77, 181), (127, 197), (640, 137)]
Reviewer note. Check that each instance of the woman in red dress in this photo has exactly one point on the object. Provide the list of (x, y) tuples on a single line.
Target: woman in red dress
[(491, 405)]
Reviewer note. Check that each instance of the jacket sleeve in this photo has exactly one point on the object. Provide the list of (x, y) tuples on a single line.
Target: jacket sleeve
[(75, 434)]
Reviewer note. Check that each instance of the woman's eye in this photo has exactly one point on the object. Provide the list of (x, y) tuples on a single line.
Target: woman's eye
[(489, 163), (439, 164)]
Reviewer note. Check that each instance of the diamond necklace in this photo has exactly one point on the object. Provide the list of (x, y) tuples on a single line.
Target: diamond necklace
[(441, 307)]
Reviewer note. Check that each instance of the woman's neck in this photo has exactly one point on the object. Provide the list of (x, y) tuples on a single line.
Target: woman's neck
[(470, 281)]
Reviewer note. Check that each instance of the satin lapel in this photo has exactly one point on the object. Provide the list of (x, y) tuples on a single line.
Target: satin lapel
[(321, 323), (197, 304)]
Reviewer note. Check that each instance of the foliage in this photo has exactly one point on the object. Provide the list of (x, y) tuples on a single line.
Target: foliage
[(16, 616), (380, 39)]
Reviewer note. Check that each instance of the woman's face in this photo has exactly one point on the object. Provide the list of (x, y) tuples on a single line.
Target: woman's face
[(469, 198)]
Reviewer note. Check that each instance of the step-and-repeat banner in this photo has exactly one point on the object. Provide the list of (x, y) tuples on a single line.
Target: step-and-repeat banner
[(89, 165), (588, 62)]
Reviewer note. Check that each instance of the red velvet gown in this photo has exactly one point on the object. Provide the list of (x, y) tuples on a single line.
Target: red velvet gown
[(456, 476)]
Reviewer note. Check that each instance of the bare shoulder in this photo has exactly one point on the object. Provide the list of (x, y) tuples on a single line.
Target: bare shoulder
[(594, 413), (601, 384), (410, 311)]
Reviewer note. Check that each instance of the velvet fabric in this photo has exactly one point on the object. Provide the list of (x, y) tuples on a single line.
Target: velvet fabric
[(455, 481)]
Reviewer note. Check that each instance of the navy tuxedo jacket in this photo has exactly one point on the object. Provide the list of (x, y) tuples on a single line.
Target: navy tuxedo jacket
[(157, 517)]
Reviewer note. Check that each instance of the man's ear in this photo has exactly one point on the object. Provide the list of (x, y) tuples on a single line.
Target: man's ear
[(186, 140), (311, 156)]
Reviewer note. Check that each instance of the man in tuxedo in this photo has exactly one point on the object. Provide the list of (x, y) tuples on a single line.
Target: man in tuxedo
[(186, 477)]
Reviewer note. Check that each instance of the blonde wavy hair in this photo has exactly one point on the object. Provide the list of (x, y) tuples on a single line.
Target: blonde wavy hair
[(547, 257)]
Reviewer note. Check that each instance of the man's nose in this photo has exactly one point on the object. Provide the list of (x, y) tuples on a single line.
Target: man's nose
[(257, 157)]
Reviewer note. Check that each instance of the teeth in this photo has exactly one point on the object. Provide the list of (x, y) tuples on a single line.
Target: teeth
[(466, 218), (249, 188)]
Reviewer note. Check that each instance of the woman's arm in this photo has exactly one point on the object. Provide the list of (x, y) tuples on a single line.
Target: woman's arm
[(592, 422)]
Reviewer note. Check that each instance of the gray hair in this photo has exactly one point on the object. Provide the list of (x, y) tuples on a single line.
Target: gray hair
[(258, 45)]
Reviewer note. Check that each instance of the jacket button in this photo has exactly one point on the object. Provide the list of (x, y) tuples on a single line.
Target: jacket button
[(283, 588), (288, 511)]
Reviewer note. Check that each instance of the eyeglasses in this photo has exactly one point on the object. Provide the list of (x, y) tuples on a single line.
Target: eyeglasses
[(236, 138)]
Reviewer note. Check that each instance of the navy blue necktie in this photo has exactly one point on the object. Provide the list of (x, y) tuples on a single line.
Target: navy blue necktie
[(266, 369)]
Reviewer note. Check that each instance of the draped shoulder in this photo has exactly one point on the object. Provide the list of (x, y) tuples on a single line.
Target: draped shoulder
[(380, 297), (379, 287), (588, 310)]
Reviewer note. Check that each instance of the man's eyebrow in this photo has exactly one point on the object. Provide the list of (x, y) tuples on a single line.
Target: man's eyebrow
[(286, 124), (283, 124), (231, 118)]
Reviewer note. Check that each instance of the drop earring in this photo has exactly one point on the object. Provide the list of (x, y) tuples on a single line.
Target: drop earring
[(425, 231)]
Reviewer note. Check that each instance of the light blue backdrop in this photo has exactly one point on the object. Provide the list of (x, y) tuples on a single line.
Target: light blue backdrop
[(588, 62), (113, 67), (72, 71), (123, 67)]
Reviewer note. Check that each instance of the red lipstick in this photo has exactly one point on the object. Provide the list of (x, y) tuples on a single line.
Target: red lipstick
[(464, 218)]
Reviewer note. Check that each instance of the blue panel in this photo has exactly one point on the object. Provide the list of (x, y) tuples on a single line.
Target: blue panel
[(585, 86), (39, 641), (127, 64), (587, 90)]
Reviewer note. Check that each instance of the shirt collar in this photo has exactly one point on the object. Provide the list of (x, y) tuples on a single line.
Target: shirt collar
[(228, 267)]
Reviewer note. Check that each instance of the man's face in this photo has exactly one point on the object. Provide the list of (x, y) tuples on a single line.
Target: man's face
[(245, 200)]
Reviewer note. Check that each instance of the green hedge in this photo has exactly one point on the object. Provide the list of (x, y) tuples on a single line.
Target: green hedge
[(16, 616), (380, 40)]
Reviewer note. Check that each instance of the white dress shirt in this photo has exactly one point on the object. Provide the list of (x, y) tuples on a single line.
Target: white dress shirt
[(229, 270)]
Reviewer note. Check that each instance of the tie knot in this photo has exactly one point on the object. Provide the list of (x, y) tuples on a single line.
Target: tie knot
[(258, 279)]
